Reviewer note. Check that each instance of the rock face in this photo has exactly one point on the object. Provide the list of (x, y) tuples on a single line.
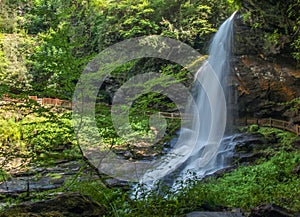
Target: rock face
[(264, 73), (261, 85), (248, 148), (69, 204)]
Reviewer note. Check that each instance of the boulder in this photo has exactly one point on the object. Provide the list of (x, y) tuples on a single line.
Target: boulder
[(64, 205), (270, 210), (248, 147)]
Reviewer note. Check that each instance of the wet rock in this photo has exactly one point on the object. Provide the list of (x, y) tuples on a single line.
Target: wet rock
[(247, 158), (68, 204), (247, 142), (270, 210), (248, 148), (220, 173), (116, 183), (264, 73)]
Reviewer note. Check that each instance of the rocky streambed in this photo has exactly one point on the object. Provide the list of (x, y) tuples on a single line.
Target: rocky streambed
[(38, 178)]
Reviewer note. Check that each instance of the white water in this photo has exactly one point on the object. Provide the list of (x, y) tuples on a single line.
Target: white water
[(211, 150), (201, 163)]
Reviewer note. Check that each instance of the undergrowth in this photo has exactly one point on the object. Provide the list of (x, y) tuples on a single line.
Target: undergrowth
[(271, 180)]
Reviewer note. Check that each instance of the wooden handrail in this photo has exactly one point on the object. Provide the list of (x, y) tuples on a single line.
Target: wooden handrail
[(44, 101), (269, 122)]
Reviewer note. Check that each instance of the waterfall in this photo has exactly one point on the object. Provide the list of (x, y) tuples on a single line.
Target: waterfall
[(212, 150), (207, 155)]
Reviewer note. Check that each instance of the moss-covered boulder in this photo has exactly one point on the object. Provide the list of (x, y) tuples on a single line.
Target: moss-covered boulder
[(64, 205)]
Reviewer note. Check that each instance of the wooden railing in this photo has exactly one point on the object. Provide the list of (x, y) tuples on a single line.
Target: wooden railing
[(268, 122), (43, 101), (52, 101)]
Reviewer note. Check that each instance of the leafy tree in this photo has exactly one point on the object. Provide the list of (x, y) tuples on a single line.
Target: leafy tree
[(279, 23), (65, 47), (125, 19), (55, 68), (14, 73), (13, 15), (188, 21)]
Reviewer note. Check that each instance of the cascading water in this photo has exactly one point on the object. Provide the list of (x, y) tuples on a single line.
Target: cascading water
[(209, 153), (201, 163)]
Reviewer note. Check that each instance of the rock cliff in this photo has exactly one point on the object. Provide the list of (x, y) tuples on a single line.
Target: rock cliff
[(265, 76)]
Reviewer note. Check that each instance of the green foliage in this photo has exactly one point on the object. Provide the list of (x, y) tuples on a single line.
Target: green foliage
[(253, 128), (125, 19), (15, 50), (45, 45), (105, 126), (48, 135), (114, 200), (65, 46), (235, 4), (294, 104), (9, 16), (285, 138), (3, 67), (183, 20), (271, 181), (191, 26), (67, 34), (11, 142), (4, 175), (279, 23), (30, 134), (56, 68), (247, 187)]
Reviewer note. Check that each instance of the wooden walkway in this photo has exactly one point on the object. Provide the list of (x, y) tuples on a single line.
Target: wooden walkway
[(43, 101), (52, 101), (267, 122), (270, 122)]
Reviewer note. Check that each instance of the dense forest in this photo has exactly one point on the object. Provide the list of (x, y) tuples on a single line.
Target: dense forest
[(45, 45)]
